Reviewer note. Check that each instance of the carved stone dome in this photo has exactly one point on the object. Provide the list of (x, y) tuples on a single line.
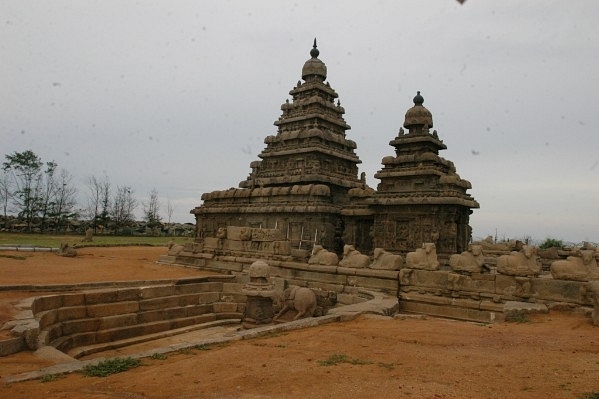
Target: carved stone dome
[(418, 115), (314, 66)]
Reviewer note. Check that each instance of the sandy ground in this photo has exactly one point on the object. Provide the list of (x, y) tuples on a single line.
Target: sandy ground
[(550, 356)]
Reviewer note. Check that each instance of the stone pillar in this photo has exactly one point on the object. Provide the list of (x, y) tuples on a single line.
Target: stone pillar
[(259, 292)]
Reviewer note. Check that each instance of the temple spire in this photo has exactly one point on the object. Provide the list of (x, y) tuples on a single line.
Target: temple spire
[(314, 52)]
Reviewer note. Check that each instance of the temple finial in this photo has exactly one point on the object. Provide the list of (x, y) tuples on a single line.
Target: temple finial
[(314, 52)]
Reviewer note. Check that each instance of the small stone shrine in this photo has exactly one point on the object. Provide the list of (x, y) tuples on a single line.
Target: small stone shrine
[(260, 292), (305, 190)]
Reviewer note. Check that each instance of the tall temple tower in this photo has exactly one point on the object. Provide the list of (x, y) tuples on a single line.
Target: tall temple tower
[(420, 198), (301, 181)]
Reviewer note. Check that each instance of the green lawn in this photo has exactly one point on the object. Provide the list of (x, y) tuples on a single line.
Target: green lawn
[(54, 240)]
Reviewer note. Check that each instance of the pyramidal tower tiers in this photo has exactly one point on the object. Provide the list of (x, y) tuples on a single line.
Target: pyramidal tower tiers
[(305, 190), (300, 183)]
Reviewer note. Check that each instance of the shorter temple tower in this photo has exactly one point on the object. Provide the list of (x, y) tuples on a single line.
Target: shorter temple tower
[(420, 198)]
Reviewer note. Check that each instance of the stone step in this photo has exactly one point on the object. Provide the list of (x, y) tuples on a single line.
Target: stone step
[(86, 350)]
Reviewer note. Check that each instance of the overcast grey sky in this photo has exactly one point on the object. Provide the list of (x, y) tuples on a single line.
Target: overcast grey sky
[(179, 95)]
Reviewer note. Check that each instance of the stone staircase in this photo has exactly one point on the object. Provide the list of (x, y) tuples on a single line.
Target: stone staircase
[(82, 323)]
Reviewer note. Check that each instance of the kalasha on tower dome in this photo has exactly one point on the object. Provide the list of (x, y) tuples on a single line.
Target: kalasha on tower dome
[(418, 118), (314, 68)]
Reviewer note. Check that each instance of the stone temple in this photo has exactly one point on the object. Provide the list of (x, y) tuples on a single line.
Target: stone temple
[(306, 190)]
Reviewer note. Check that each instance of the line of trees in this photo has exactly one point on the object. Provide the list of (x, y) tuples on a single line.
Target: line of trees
[(43, 197)]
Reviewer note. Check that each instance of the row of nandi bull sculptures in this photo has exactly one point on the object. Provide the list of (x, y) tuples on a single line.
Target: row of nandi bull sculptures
[(580, 266)]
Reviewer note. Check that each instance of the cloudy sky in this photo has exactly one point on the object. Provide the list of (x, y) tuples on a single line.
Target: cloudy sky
[(179, 95)]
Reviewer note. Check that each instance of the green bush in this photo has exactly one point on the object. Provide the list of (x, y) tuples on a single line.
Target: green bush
[(551, 242)]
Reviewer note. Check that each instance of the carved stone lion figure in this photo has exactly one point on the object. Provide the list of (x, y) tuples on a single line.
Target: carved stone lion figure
[(221, 232)]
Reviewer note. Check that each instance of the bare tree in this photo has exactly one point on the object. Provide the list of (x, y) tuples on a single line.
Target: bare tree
[(152, 209), (46, 193), (5, 191), (123, 206), (98, 201), (169, 212), (66, 200)]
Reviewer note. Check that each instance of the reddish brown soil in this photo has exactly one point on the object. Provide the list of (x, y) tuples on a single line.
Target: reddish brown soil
[(551, 356)]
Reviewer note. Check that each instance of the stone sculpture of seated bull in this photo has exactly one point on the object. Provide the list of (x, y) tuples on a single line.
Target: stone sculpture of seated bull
[(578, 268), (321, 256), (471, 261), (300, 299), (384, 260), (353, 258), (523, 263), (423, 258), (66, 250)]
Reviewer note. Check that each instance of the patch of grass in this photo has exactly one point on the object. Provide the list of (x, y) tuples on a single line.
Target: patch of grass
[(158, 356), (566, 386), (51, 377), (203, 347), (518, 318), (110, 366), (388, 366), (337, 358), (54, 240), (17, 257), (590, 395)]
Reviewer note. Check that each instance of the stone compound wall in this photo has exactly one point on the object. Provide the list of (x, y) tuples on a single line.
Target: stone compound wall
[(484, 297)]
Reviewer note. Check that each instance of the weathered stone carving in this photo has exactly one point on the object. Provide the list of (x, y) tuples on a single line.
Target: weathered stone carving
[(260, 292), (353, 258), (471, 261), (423, 258), (321, 256), (174, 249), (221, 232), (384, 260), (237, 233), (523, 263), (582, 267), (300, 299), (66, 250)]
